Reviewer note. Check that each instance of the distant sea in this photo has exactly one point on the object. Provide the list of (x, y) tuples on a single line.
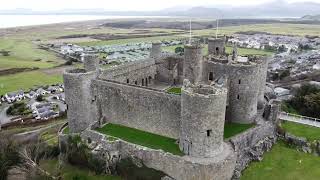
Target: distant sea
[(7, 21)]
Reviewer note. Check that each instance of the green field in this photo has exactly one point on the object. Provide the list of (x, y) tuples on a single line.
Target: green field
[(25, 54), (231, 129), (142, 138), (70, 172), (174, 90), (309, 132), (283, 29), (284, 163), (26, 80)]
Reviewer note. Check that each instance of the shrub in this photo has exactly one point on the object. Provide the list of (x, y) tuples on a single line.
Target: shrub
[(179, 50), (40, 98), (18, 108), (9, 156)]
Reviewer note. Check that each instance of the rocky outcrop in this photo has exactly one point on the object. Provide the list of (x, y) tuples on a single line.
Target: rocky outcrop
[(302, 144)]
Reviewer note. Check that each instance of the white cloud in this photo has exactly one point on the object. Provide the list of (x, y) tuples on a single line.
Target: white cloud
[(122, 5)]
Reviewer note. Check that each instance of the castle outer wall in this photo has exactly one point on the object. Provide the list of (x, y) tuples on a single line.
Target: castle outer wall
[(141, 108)]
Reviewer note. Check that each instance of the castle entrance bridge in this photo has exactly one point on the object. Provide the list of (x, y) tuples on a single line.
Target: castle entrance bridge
[(300, 119)]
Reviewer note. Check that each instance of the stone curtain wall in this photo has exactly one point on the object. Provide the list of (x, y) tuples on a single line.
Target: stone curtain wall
[(177, 167), (134, 71), (137, 107)]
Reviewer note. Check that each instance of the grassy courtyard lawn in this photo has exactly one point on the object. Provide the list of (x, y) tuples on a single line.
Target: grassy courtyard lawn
[(284, 163), (26, 81), (142, 138), (231, 129), (309, 132), (25, 54), (174, 90), (70, 172)]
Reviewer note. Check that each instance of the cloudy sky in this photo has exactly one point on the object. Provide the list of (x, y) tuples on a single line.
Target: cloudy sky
[(124, 5)]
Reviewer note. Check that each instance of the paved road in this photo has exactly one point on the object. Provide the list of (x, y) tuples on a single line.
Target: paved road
[(301, 120), (3, 114)]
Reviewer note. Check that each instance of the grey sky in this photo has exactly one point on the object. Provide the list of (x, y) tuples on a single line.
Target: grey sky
[(124, 5)]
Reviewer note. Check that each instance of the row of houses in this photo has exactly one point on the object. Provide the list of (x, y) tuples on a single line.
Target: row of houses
[(21, 95), (44, 111)]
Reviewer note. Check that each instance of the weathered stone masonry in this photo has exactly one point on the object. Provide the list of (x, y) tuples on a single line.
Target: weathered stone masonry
[(215, 89)]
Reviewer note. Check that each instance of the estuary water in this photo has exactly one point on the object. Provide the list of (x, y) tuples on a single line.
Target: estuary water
[(7, 21)]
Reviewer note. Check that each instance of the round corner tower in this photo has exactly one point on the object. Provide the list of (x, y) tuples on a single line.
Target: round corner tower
[(216, 46), (192, 64), (203, 109), (155, 52), (244, 90), (79, 95)]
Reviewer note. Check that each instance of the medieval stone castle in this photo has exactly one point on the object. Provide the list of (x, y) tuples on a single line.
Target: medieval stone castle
[(216, 88)]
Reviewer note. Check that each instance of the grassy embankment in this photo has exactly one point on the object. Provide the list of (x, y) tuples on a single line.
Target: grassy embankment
[(309, 132), (284, 163)]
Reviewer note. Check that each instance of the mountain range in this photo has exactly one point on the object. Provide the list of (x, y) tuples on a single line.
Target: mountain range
[(274, 9)]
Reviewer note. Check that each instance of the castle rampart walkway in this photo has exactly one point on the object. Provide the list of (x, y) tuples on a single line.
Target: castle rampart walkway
[(300, 119)]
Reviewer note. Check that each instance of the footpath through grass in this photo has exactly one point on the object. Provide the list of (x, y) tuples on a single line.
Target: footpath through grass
[(26, 81), (301, 130), (142, 138), (284, 163), (231, 129)]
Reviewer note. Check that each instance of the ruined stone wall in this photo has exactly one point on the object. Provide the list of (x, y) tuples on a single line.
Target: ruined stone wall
[(142, 108), (252, 144), (170, 70), (133, 72), (79, 99), (203, 111), (177, 167)]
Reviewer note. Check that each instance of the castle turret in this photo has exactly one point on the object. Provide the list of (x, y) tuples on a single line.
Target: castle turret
[(216, 46), (91, 62), (262, 82), (243, 92), (192, 67), (79, 96), (203, 109), (155, 50)]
